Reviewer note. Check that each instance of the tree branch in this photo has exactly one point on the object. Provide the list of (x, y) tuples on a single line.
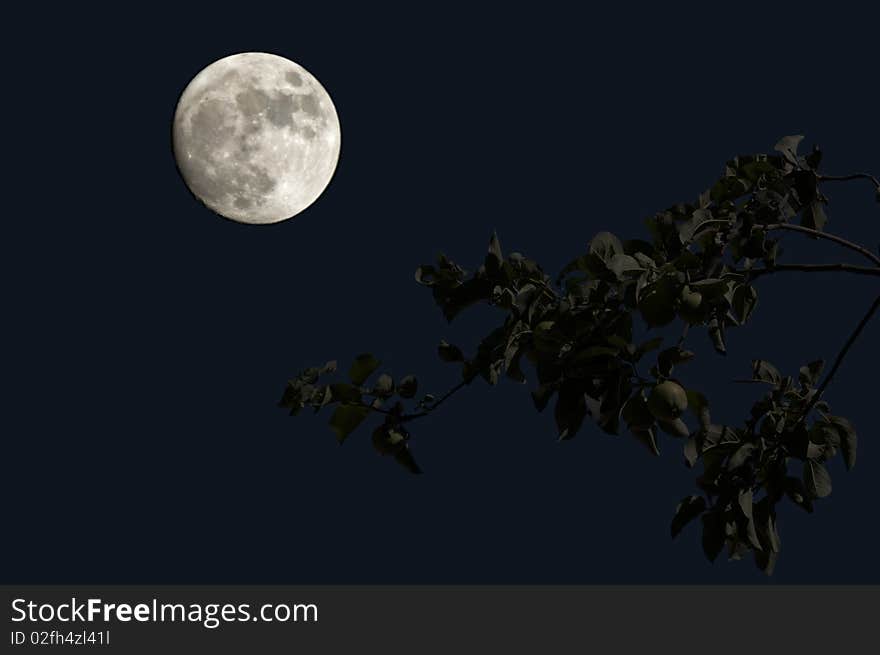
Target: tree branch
[(849, 342), (826, 235), (847, 178), (453, 390), (812, 268)]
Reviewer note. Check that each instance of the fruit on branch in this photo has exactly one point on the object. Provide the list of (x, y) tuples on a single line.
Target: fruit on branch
[(691, 308), (667, 401)]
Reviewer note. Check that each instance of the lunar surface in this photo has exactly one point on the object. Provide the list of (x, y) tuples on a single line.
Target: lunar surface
[(256, 137)]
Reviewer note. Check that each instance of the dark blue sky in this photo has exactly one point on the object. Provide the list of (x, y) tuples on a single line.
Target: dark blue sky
[(149, 340)]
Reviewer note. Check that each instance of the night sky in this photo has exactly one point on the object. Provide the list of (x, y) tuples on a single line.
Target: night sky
[(148, 340)]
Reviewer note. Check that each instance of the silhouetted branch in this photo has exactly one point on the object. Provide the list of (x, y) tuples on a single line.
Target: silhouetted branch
[(452, 391), (849, 342), (813, 268), (828, 236), (847, 178)]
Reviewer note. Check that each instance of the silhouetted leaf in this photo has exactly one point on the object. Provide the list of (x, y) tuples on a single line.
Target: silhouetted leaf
[(676, 428), (408, 386), (713, 535), (605, 245), (814, 158), (346, 418), (346, 393), (635, 413), (384, 386), (541, 396), (745, 299), (766, 561), (809, 374), (817, 480), (788, 146), (363, 366), (405, 458), (814, 216), (449, 353), (698, 405), (797, 492), (647, 438), (688, 509), (740, 456), (848, 439), (690, 452), (765, 372), (668, 358), (494, 258), (570, 411), (716, 334), (764, 517), (624, 266)]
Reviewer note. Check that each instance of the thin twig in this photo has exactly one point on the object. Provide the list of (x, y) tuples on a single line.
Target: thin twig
[(826, 235), (410, 417), (812, 268), (847, 178), (684, 334), (849, 342)]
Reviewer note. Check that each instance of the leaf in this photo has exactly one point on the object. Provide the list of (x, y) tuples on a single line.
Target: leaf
[(809, 374), (688, 509), (814, 216), (690, 452), (384, 386), (647, 438), (766, 560), (541, 396), (814, 158), (817, 480), (745, 299), (668, 358), (764, 516), (788, 145), (710, 288), (494, 258), (570, 411), (449, 353), (635, 413), (345, 393), (744, 500), (346, 418), (713, 535), (741, 455), (797, 493), (605, 245), (765, 372), (408, 386), (405, 458), (623, 266), (716, 335), (848, 440), (363, 366), (676, 428), (698, 405)]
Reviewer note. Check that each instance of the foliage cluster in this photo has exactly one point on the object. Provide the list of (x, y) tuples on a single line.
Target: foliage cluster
[(576, 335)]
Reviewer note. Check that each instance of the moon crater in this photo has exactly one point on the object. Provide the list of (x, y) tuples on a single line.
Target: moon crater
[(256, 137)]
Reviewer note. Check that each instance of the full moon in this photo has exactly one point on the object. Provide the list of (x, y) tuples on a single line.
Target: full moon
[(256, 137)]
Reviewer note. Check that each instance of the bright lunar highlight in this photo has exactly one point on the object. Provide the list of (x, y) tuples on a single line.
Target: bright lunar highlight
[(256, 137)]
